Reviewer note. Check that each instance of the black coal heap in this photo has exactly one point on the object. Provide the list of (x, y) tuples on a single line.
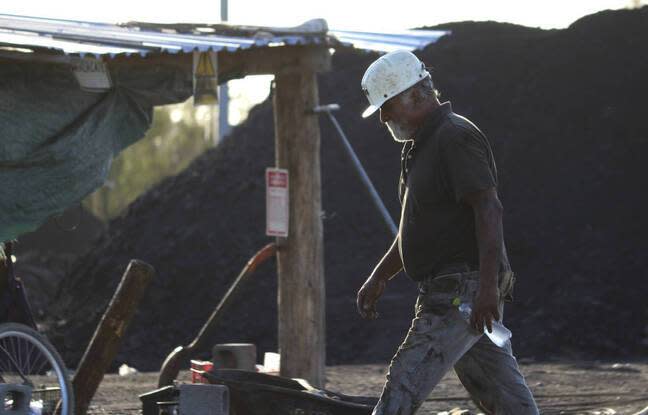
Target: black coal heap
[(565, 111)]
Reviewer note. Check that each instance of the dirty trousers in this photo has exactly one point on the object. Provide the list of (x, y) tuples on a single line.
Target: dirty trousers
[(440, 338)]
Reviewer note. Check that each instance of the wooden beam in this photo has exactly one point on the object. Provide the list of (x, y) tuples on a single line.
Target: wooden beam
[(241, 63), (272, 60), (109, 334), (300, 257), (231, 65)]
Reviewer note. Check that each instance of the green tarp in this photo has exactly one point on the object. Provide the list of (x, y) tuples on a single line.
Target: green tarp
[(57, 141)]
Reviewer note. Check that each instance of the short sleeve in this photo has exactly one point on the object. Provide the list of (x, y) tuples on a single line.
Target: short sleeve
[(469, 164)]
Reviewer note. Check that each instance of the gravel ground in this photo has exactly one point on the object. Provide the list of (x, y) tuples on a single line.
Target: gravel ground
[(560, 388)]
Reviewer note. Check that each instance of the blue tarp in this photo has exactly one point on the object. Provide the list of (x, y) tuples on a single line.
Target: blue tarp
[(57, 141)]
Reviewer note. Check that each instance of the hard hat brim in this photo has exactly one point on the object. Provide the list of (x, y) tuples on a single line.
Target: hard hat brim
[(370, 110)]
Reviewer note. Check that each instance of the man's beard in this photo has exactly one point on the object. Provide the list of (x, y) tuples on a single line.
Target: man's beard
[(400, 132)]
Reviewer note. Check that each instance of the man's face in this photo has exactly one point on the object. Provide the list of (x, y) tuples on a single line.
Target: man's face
[(397, 114)]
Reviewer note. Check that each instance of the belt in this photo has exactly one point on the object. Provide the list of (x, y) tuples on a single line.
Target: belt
[(451, 277), (454, 268), (448, 279)]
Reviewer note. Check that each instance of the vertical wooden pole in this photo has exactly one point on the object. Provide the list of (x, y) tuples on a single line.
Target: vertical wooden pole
[(300, 257)]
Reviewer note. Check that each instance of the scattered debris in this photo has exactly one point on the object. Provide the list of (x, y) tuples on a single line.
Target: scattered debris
[(125, 370)]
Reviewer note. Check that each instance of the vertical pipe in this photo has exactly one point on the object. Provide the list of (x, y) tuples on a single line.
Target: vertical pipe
[(223, 93), (362, 174), (224, 9)]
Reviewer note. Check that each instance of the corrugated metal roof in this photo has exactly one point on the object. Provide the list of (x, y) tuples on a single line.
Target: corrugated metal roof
[(76, 37), (389, 41)]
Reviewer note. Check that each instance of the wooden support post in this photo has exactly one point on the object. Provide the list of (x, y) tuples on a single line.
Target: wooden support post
[(107, 338), (300, 257)]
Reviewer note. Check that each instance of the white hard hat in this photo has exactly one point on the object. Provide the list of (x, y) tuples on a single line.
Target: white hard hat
[(390, 75)]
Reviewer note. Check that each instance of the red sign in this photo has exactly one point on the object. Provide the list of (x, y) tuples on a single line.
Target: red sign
[(277, 202)]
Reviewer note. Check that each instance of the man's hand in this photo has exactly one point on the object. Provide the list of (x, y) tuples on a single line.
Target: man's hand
[(488, 228), (368, 295), (485, 310)]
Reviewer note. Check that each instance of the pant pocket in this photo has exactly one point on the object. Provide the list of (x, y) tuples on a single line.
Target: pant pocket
[(435, 303)]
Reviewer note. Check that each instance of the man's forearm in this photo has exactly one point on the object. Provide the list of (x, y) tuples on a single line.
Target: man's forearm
[(390, 264), (488, 224)]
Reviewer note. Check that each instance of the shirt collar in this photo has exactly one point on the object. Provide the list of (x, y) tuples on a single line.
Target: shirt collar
[(433, 121)]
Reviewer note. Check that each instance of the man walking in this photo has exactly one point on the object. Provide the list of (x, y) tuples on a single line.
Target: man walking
[(450, 241)]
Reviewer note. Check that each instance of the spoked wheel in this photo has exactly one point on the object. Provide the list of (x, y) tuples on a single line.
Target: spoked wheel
[(28, 362)]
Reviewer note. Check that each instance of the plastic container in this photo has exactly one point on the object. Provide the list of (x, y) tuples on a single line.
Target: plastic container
[(36, 408), (200, 365), (500, 334), (271, 362)]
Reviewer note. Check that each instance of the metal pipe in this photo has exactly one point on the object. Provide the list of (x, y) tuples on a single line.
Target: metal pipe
[(375, 197), (224, 10), (223, 91)]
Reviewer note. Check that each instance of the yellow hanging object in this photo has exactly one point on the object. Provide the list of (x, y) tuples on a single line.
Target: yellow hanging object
[(204, 67), (205, 77), (456, 302)]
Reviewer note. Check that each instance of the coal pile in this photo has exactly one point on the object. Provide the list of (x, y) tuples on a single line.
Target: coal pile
[(565, 112), (46, 255)]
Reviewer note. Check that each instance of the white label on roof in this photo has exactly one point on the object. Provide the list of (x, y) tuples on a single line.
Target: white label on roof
[(92, 75), (277, 202)]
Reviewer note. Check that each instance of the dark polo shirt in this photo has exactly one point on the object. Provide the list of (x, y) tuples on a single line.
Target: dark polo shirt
[(448, 158)]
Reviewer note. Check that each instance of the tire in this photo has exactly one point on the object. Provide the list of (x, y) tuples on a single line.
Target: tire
[(41, 367)]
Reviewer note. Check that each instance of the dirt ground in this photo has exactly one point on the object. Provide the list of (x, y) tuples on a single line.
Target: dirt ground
[(576, 387)]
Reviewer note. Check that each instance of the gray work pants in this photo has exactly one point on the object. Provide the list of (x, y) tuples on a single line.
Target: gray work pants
[(440, 338)]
